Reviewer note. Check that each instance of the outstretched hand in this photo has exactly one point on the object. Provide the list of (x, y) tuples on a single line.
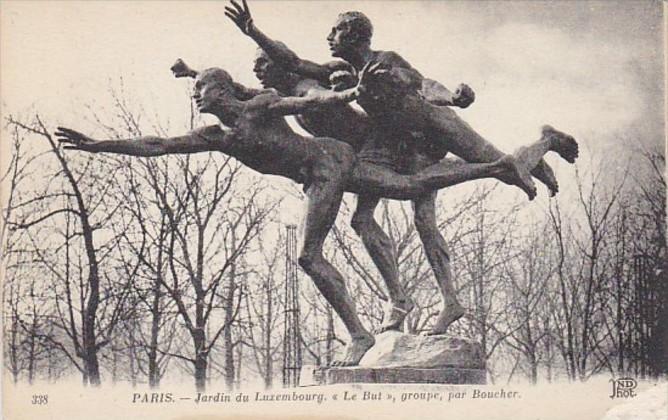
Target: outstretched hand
[(74, 139), (240, 15), (369, 71)]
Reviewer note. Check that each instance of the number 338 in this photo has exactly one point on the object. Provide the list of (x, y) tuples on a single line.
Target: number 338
[(40, 399)]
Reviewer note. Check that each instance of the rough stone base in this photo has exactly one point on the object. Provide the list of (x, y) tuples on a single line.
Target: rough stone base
[(398, 358), (394, 349), (356, 374)]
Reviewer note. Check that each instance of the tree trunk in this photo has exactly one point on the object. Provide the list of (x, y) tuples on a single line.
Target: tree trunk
[(13, 349), (237, 372), (114, 365), (200, 372), (201, 357), (228, 357), (329, 349), (89, 345), (268, 365), (133, 369), (92, 367), (89, 351), (534, 367), (548, 350), (31, 355), (228, 345), (153, 368)]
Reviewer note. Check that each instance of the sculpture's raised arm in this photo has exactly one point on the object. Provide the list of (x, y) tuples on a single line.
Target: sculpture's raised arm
[(200, 140), (278, 51), (431, 90), (181, 69)]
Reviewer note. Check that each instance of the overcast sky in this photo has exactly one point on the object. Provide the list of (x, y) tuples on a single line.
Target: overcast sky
[(583, 67), (593, 69)]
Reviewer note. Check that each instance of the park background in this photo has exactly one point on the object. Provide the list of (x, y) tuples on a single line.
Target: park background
[(557, 289)]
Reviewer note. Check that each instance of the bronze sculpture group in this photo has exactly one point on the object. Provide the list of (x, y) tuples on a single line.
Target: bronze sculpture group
[(394, 149)]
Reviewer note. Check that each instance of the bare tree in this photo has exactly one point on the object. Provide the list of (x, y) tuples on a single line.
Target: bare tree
[(263, 306), (81, 200), (528, 275), (650, 305), (13, 174), (213, 224)]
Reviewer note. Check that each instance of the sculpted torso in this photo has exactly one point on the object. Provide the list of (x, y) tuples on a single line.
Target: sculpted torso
[(267, 144)]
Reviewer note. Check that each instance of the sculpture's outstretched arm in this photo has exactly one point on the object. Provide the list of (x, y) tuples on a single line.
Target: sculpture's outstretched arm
[(277, 51), (401, 74), (314, 98), (317, 97), (244, 93), (200, 140), (437, 94)]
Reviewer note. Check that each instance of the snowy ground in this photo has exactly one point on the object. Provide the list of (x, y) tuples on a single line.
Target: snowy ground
[(650, 404)]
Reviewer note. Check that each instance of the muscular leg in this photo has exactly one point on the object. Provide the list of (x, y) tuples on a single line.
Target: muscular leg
[(553, 140), (382, 252), (324, 199), (436, 250), (380, 181), (464, 142), (438, 256)]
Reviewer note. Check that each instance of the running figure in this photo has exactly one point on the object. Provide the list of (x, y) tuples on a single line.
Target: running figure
[(389, 145)]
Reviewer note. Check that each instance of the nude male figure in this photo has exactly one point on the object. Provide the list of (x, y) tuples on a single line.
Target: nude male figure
[(261, 139), (382, 147), (345, 123)]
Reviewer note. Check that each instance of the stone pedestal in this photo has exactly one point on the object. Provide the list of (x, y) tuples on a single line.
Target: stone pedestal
[(411, 359), (358, 375)]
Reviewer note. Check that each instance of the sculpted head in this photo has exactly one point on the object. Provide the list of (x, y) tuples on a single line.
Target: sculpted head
[(215, 91), (214, 87), (351, 30), (270, 74)]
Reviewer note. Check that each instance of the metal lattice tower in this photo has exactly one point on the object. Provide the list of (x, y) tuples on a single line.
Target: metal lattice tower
[(292, 350), (644, 309)]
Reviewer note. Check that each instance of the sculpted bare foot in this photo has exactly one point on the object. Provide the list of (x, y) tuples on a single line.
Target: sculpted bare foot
[(355, 350), (394, 316), (548, 178), (521, 174), (562, 143), (448, 315), (552, 186)]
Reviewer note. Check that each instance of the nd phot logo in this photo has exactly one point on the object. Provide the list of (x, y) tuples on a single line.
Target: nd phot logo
[(623, 388)]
